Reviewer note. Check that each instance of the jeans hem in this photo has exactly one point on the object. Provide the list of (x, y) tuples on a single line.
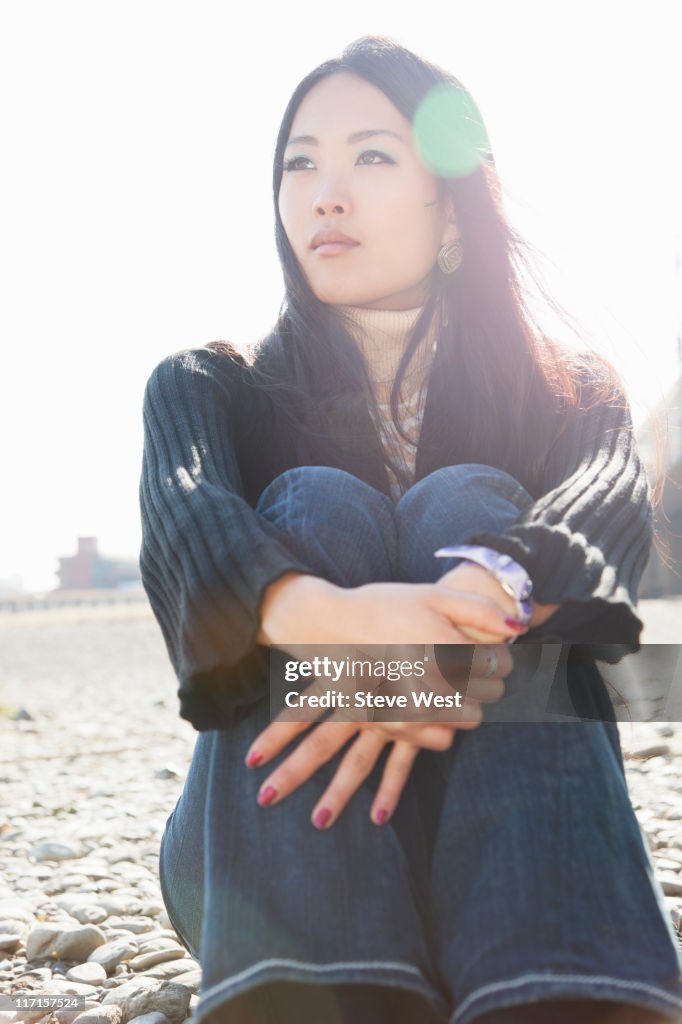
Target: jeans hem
[(529, 988), (380, 972)]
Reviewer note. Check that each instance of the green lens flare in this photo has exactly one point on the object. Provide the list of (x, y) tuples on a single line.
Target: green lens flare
[(449, 133)]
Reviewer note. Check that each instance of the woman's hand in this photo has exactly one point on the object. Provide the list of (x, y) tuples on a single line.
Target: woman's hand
[(320, 746), (478, 580), (301, 609), (408, 738)]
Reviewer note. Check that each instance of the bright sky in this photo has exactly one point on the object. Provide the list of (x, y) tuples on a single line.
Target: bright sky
[(137, 217)]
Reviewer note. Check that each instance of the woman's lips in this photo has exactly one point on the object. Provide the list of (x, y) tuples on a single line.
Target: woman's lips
[(333, 248)]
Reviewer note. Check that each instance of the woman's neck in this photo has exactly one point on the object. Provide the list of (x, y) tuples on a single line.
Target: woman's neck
[(382, 336)]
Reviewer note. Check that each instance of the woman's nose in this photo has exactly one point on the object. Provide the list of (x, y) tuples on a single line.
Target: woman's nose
[(331, 198)]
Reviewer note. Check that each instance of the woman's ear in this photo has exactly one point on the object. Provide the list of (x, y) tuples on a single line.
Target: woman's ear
[(451, 230)]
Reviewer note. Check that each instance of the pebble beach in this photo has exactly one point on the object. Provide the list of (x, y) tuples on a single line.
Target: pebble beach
[(93, 755)]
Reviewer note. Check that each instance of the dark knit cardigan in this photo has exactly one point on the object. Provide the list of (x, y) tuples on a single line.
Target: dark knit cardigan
[(210, 447)]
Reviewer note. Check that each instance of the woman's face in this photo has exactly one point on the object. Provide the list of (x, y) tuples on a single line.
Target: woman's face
[(351, 172)]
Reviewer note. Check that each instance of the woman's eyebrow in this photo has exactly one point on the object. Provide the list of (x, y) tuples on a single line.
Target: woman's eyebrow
[(368, 133)]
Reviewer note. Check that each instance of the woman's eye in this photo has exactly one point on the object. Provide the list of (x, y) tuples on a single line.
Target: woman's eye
[(373, 156), (297, 163), (368, 158)]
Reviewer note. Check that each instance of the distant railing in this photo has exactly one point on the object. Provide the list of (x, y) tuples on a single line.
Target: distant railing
[(57, 600)]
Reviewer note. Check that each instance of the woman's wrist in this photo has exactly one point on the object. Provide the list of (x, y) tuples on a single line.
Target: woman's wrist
[(512, 577), (476, 579), (287, 606)]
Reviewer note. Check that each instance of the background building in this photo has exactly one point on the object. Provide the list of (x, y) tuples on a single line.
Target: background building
[(88, 570)]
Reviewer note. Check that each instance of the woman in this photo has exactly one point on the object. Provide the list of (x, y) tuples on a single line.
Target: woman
[(404, 403)]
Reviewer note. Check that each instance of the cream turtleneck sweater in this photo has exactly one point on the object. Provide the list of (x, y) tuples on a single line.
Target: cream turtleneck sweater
[(382, 336)]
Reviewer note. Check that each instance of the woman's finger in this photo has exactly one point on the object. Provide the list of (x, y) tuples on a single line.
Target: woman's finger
[(433, 737), (274, 738), (498, 656), (472, 610), (458, 662), (356, 765), (395, 775), (318, 747), (289, 723)]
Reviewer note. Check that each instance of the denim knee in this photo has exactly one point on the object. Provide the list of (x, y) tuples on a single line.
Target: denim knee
[(447, 507), (312, 481), (340, 526), (467, 475)]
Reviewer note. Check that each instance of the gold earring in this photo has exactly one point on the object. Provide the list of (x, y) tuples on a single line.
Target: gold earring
[(450, 257)]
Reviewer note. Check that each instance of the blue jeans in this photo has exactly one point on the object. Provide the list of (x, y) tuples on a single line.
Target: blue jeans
[(513, 870)]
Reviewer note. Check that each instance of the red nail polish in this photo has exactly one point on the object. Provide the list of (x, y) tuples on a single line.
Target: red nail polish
[(322, 817), (267, 795), (381, 816), (253, 759), (516, 624)]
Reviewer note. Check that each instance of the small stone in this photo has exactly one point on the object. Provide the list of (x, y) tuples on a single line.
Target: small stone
[(120, 904), (153, 945), (78, 881), (172, 969), (39, 974), (151, 909), (155, 1017), (190, 980), (101, 1015), (95, 869), (15, 910), (161, 956), (29, 1016), (671, 884), (9, 942), (132, 988), (108, 884), (54, 851), (666, 864), (87, 973), (144, 995), (111, 954), (137, 926), (72, 988), (90, 914), (68, 901), (79, 943), (169, 772), (42, 940), (66, 1016), (675, 856), (132, 873), (122, 852), (651, 750)]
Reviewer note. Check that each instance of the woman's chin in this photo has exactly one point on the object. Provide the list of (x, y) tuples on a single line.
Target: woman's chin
[(345, 293), (343, 296)]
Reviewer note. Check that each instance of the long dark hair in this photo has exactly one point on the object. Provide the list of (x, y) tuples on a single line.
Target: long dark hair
[(498, 385)]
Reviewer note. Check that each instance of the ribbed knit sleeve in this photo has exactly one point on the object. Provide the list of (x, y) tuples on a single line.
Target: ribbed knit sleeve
[(586, 541), (207, 556)]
